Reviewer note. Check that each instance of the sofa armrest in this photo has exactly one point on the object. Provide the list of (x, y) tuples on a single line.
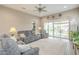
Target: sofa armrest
[(32, 51), (2, 52)]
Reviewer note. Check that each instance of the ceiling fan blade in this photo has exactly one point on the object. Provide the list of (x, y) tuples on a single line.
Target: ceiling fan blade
[(35, 10), (43, 7), (44, 10), (40, 5), (36, 7)]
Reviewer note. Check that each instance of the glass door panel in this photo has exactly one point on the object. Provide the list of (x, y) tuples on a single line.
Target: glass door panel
[(46, 27), (57, 30), (50, 29), (65, 30)]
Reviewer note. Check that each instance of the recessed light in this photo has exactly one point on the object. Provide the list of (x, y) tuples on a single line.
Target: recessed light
[(65, 6)]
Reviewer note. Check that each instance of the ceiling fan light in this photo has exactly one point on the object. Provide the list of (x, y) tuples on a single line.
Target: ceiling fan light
[(40, 9), (65, 6)]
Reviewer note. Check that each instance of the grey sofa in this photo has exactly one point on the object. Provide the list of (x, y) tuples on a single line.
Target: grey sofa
[(10, 47), (29, 36)]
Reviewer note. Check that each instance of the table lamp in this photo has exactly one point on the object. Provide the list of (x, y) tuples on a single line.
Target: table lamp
[(13, 31), (39, 28)]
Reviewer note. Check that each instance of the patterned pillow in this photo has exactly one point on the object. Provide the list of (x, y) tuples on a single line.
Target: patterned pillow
[(22, 35)]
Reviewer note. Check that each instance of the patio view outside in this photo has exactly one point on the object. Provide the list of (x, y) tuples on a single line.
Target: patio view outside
[(57, 29)]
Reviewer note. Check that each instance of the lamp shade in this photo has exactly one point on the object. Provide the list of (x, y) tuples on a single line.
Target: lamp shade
[(13, 30), (39, 28)]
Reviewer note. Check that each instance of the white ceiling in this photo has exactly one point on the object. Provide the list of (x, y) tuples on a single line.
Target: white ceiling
[(51, 8)]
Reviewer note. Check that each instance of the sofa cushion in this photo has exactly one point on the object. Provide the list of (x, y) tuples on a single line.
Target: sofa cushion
[(10, 46), (4, 36), (24, 48), (27, 33)]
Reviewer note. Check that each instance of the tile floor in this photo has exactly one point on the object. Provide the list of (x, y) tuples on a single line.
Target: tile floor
[(53, 46)]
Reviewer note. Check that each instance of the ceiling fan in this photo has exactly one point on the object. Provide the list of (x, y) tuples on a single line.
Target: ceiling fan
[(40, 8)]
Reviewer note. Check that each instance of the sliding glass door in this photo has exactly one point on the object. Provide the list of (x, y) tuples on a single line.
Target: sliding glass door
[(65, 30), (50, 30), (57, 29)]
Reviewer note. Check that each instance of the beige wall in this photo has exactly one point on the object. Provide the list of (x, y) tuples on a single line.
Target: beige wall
[(12, 18), (67, 15), (22, 21)]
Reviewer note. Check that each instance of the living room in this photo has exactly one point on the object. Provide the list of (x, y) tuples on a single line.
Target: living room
[(39, 29)]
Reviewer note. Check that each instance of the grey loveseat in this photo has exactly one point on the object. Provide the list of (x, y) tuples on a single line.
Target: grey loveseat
[(10, 47), (29, 36)]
